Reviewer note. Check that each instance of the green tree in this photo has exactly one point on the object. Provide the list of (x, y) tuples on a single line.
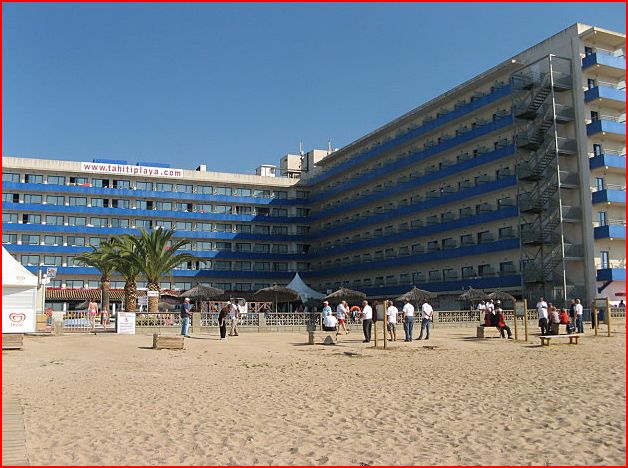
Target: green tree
[(156, 254), (125, 261), (101, 258)]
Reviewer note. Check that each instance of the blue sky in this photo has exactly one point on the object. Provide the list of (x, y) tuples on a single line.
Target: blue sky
[(236, 85)]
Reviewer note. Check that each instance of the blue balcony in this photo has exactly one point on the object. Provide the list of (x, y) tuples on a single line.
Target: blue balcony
[(609, 196), (607, 128), (609, 64), (607, 161), (610, 231), (611, 274), (606, 95)]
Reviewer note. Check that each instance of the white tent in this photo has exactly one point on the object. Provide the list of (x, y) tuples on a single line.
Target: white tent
[(19, 296), (305, 292)]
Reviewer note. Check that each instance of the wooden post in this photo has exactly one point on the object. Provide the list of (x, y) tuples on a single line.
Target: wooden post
[(525, 317), (594, 318), (608, 318), (375, 332), (516, 330)]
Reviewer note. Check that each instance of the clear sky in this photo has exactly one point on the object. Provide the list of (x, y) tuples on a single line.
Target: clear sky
[(236, 85)]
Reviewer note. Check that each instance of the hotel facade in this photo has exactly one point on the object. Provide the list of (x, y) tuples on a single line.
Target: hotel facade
[(514, 179)]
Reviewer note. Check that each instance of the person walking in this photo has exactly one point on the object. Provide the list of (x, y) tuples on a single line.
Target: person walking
[(579, 313), (92, 310), (234, 315), (185, 317), (408, 319), (501, 321), (222, 321), (367, 321), (391, 313), (541, 308), (426, 315), (341, 314)]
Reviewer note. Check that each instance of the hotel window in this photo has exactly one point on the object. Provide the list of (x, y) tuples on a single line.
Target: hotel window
[(506, 268), (205, 189), (119, 223), (95, 242), (223, 191), (184, 207), (183, 226), (163, 205), (223, 209), (100, 202), (143, 223), (79, 181), (163, 224), (485, 236), (243, 228), (203, 245), (302, 230), (54, 284), (242, 266), (601, 217), (222, 265), (261, 266), (30, 260), (52, 260), (242, 287), (30, 239), (599, 183), (31, 198), (144, 204), (77, 221), (54, 220), (184, 188), (78, 201), (261, 248), (263, 211), (55, 200), (279, 248), (486, 270), (76, 241), (261, 193), (203, 208), (280, 266), (604, 259), (466, 239), (506, 232), (280, 230), (203, 227), (303, 211), (261, 229), (74, 284), (102, 183), (93, 284), (302, 194), (99, 222), (468, 272), (204, 265), (140, 185), (34, 179), (9, 217), (56, 180), (245, 192), (280, 212), (243, 210), (10, 177), (10, 197), (162, 187), (31, 219), (9, 238), (243, 247), (223, 227), (281, 194), (121, 204), (121, 184)]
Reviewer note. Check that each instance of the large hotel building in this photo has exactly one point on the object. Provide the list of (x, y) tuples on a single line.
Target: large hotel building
[(514, 179)]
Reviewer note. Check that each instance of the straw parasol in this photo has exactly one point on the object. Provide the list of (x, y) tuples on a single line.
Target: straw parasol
[(276, 294), (344, 294), (200, 292), (473, 295), (417, 295), (501, 296)]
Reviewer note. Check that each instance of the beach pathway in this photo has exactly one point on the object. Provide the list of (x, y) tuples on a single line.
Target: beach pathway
[(13, 434)]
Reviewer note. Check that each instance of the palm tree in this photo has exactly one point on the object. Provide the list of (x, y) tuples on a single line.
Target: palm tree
[(156, 255), (126, 264), (101, 258)]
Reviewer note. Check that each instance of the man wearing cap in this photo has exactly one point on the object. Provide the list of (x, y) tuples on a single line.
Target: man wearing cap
[(326, 309), (185, 317)]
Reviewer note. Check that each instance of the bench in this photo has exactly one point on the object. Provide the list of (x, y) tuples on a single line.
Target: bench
[(167, 341), (573, 339), (12, 340), (487, 332), (322, 337)]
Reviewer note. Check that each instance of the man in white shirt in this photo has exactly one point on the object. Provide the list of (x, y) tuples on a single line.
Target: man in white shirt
[(426, 316), (391, 314), (330, 323), (367, 321), (490, 306), (326, 309), (482, 307), (541, 308), (579, 311), (234, 315), (408, 320), (341, 314)]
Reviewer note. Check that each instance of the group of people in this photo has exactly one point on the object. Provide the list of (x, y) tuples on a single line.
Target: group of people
[(494, 317), (92, 311), (232, 309), (343, 312), (550, 318)]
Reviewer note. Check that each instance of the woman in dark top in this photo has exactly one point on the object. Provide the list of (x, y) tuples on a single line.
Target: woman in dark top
[(222, 322)]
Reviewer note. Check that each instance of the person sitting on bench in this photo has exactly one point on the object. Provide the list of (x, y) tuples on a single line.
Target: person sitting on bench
[(330, 323), (501, 322), (554, 319)]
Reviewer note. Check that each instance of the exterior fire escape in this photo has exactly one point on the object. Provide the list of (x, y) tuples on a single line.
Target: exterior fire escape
[(544, 129)]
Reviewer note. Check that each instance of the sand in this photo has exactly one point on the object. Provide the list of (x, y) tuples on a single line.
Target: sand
[(269, 399)]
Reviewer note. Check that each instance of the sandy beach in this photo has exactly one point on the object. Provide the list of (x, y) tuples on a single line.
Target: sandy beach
[(271, 399)]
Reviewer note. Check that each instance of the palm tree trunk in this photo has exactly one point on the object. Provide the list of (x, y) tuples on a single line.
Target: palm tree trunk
[(130, 296), (153, 302), (105, 285)]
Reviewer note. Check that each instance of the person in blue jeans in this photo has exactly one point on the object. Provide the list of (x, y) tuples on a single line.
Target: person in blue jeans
[(426, 316), (408, 320), (185, 317)]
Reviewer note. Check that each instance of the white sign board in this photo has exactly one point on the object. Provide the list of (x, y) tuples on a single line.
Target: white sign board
[(142, 300), (152, 293), (18, 311), (125, 323), (51, 272), (128, 169)]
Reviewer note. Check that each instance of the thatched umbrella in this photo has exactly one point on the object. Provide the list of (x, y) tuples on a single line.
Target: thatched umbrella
[(417, 295), (276, 294), (473, 295), (344, 294), (200, 292), (501, 296)]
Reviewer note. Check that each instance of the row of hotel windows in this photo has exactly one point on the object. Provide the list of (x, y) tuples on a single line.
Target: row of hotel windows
[(220, 265), (56, 220), (81, 241), (422, 120), (432, 193), (150, 186), (447, 216), (466, 240), (149, 205), (175, 285)]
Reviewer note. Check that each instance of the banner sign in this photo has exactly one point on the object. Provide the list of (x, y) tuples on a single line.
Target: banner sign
[(128, 169), (125, 323)]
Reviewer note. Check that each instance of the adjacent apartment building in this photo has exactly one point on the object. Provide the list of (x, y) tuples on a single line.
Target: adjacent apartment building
[(514, 179)]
